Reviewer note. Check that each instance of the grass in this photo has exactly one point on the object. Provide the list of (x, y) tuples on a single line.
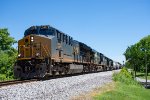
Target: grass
[(142, 75), (99, 90), (125, 89), (125, 92)]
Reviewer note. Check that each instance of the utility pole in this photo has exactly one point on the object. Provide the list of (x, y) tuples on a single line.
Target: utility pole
[(146, 76), (134, 71), (145, 69), (123, 64)]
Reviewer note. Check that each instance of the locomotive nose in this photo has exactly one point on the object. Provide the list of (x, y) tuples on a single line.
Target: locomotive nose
[(33, 46)]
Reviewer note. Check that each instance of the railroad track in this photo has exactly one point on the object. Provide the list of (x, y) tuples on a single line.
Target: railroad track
[(12, 82)]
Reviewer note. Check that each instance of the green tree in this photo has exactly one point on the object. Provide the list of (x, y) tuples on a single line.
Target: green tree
[(6, 41), (132, 55), (7, 55), (145, 49), (138, 55)]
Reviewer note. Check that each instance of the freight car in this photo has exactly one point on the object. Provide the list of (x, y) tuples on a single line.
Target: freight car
[(46, 50)]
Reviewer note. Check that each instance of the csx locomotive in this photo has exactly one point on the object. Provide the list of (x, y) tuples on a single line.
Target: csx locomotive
[(45, 50)]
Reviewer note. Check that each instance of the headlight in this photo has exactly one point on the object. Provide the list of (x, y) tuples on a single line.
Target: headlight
[(37, 54), (19, 55), (32, 39)]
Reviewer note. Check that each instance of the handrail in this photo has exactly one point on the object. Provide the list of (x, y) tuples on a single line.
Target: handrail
[(46, 50)]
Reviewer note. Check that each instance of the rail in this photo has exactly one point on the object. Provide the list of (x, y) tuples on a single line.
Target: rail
[(12, 82)]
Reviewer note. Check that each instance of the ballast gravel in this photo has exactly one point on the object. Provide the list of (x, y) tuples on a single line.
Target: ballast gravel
[(56, 89)]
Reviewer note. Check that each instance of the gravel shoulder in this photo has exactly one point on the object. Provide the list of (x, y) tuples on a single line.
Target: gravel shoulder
[(56, 89)]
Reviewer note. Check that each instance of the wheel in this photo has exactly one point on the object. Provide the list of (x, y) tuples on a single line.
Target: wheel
[(40, 70), (66, 69), (60, 72), (53, 73), (17, 71), (95, 69)]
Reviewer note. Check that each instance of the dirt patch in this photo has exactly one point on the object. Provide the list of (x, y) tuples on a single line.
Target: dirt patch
[(95, 92)]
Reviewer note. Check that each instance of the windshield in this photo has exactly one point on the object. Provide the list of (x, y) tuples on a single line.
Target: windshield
[(40, 30), (30, 31)]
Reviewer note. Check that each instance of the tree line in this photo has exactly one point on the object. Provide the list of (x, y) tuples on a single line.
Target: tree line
[(7, 55), (138, 55)]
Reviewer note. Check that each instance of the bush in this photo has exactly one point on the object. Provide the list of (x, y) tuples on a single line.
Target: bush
[(2, 77), (124, 77)]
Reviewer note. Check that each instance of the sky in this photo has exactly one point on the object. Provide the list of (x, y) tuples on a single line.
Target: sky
[(108, 26)]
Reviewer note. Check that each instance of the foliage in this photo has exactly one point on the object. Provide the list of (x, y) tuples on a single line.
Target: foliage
[(7, 55), (6, 41), (138, 55), (125, 92), (126, 88), (124, 77)]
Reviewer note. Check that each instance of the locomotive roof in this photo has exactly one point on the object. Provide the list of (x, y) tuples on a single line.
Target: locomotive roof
[(37, 28), (85, 46)]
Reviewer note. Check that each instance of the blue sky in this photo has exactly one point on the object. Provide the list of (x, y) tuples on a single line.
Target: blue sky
[(108, 26)]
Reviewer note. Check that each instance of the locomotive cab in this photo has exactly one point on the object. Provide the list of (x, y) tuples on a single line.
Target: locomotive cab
[(33, 46)]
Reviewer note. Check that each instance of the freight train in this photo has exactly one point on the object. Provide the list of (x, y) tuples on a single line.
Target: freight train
[(45, 50)]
